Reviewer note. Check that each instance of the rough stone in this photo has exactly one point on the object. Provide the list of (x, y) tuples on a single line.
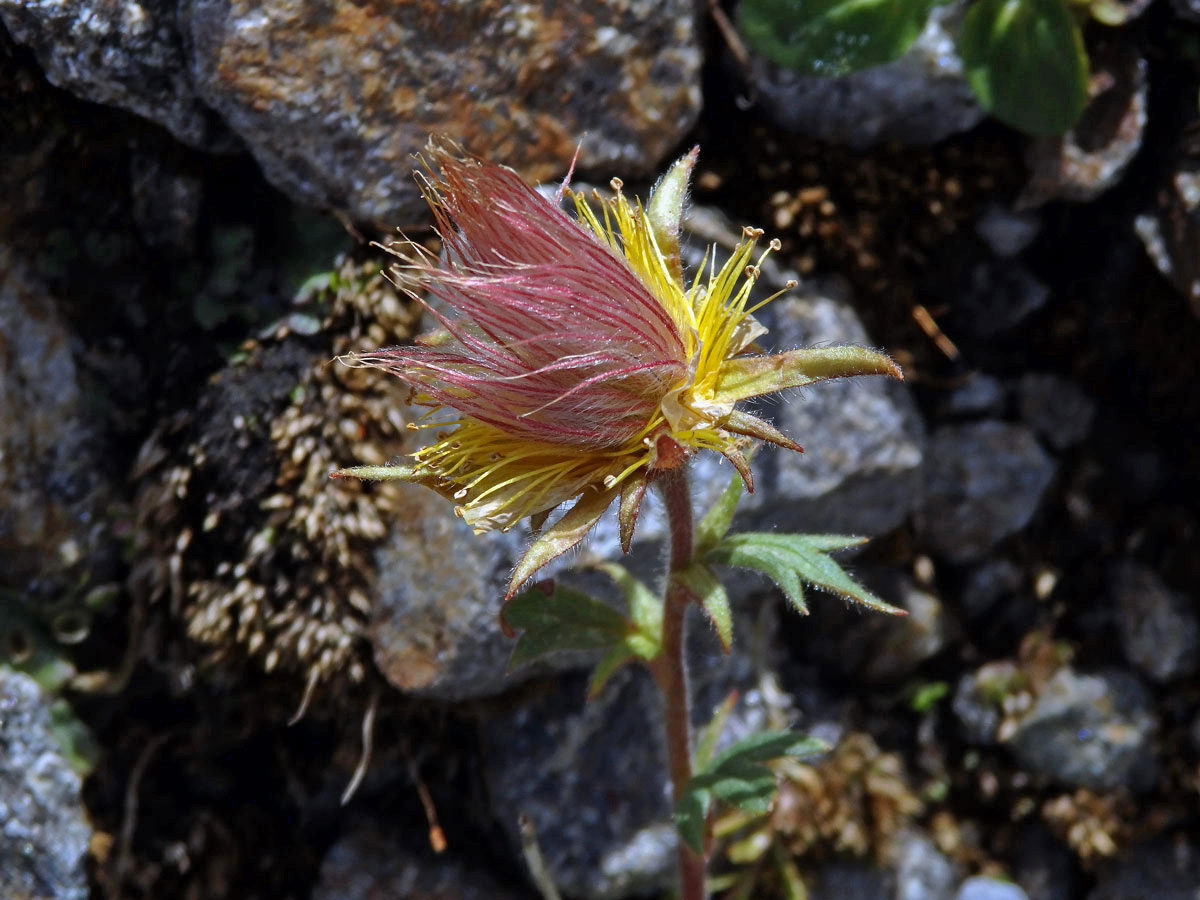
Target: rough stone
[(1044, 866), (126, 54), (44, 831), (372, 861), (1091, 731), (980, 395), (1157, 626), (987, 584), (921, 871), (985, 481), (861, 472), (54, 489), (333, 98), (919, 99), (981, 888), (1056, 408), (903, 643), (996, 297), (1007, 232), (976, 701), (848, 880), (1162, 870), (604, 760)]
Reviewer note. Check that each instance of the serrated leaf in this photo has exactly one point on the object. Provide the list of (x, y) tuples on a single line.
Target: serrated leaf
[(832, 37), (713, 524), (703, 586), (609, 663), (1026, 63), (789, 559), (645, 606), (561, 619), (739, 777)]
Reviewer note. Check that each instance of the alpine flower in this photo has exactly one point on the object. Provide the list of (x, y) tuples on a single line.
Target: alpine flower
[(574, 361)]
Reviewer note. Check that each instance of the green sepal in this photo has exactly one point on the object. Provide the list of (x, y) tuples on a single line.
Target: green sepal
[(832, 37), (380, 473), (664, 210), (633, 490), (562, 535), (752, 376), (1026, 63), (791, 559), (703, 586), (739, 777)]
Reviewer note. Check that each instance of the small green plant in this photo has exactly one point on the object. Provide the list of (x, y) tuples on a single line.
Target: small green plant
[(579, 367), (1024, 59)]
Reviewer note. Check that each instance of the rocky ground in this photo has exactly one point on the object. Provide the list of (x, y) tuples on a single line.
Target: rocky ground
[(223, 675)]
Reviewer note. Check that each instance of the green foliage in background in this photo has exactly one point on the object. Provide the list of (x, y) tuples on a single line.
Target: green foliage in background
[(1024, 59)]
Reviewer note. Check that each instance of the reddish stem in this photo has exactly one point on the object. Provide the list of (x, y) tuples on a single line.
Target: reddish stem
[(670, 670)]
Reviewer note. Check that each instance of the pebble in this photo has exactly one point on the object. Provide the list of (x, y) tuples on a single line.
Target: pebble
[(1162, 870), (372, 861), (1089, 731), (1157, 627), (981, 888), (980, 395), (921, 871), (44, 830), (985, 481), (1056, 408)]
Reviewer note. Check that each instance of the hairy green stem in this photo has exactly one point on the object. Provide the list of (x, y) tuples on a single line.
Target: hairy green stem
[(670, 670)]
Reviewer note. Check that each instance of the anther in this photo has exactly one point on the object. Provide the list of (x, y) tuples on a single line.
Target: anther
[(616, 184)]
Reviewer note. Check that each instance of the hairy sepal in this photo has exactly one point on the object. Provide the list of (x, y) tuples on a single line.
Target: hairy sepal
[(753, 376), (562, 535)]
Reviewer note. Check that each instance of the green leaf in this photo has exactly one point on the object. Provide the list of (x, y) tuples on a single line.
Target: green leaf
[(707, 742), (790, 559), (832, 37), (561, 618), (1026, 63), (702, 584), (740, 778), (713, 525), (645, 606)]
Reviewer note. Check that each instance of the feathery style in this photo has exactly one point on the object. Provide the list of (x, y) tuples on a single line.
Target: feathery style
[(574, 360)]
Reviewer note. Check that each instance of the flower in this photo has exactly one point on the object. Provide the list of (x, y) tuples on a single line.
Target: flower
[(575, 360)]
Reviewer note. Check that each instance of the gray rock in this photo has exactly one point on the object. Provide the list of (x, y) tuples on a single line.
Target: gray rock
[(976, 701), (1044, 866), (985, 481), (1007, 232), (333, 99), (434, 624), (988, 583), (918, 99), (372, 861), (126, 54), (1092, 731), (44, 831), (921, 871), (848, 880), (1157, 626), (1158, 871), (997, 297), (981, 395), (54, 487), (1187, 9), (604, 761), (1056, 408), (980, 888), (902, 643), (861, 472)]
